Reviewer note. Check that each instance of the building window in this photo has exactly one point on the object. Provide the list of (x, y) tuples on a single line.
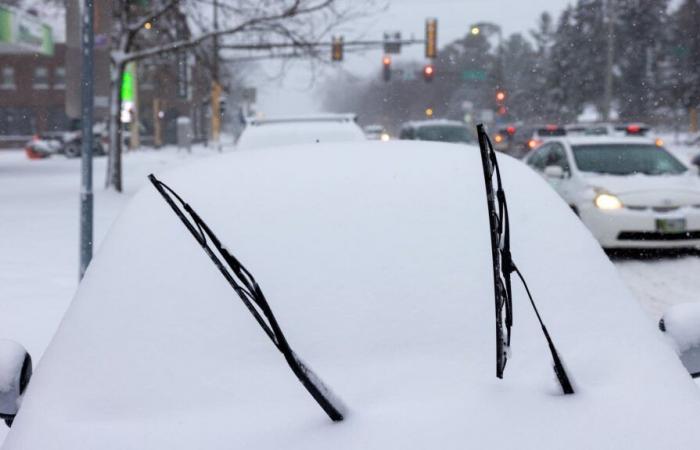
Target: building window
[(59, 78), (41, 78), (7, 78)]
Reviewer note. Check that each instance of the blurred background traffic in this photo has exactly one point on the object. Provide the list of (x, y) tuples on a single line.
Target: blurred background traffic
[(600, 97)]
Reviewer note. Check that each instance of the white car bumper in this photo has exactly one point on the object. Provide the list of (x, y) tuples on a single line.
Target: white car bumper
[(628, 228)]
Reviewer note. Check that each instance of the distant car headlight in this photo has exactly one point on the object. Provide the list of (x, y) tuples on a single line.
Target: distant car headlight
[(607, 201), (384, 137)]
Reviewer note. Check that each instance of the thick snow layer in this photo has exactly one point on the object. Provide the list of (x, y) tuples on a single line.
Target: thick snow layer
[(39, 234), (682, 323), (375, 258)]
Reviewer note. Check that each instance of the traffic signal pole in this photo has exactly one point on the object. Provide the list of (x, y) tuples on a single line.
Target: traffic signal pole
[(216, 86), (86, 195)]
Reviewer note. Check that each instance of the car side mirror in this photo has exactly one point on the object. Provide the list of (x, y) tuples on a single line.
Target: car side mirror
[(15, 372), (695, 165), (554, 172), (696, 161), (682, 324)]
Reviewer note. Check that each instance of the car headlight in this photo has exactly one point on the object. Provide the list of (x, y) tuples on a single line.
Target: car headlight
[(384, 137), (607, 201)]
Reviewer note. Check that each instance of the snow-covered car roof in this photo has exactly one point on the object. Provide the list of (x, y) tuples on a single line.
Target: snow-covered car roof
[(375, 258), (432, 122), (329, 117), (298, 130), (601, 140)]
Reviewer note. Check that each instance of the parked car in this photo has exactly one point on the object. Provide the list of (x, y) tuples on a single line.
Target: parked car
[(67, 143), (322, 128), (376, 260), (630, 192), (439, 130)]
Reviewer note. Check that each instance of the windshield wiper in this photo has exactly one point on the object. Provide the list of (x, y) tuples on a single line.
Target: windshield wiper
[(503, 266), (243, 283)]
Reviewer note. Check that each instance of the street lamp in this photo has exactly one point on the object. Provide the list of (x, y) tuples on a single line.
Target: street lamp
[(489, 28)]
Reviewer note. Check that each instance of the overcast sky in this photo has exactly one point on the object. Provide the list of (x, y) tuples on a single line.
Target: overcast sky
[(298, 92)]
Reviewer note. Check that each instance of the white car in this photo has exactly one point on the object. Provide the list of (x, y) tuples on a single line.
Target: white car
[(438, 130), (312, 129), (630, 192), (378, 269)]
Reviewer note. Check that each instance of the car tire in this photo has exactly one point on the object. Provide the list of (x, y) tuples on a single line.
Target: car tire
[(98, 150), (72, 150)]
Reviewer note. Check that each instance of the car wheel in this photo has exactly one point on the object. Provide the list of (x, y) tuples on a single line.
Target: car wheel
[(72, 150), (98, 150)]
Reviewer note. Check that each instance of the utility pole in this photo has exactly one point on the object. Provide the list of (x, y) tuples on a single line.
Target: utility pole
[(215, 86), (86, 197), (610, 57)]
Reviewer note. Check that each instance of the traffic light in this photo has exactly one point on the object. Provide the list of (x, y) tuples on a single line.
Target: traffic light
[(428, 73), (431, 38), (337, 48), (500, 96), (386, 62)]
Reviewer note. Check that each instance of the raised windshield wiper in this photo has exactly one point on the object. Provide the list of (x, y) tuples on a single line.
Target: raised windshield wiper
[(242, 281), (503, 265)]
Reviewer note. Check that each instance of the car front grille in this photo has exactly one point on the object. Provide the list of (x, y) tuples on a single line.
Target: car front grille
[(660, 209), (658, 236)]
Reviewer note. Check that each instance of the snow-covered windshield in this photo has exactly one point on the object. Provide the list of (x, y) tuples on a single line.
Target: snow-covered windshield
[(444, 133), (626, 159)]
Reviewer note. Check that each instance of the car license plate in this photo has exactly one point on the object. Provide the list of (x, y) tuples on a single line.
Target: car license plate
[(670, 225)]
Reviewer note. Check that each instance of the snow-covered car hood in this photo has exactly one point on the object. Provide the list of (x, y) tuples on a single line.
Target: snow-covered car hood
[(646, 190), (376, 260)]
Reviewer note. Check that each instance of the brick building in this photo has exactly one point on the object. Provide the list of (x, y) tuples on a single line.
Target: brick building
[(32, 95)]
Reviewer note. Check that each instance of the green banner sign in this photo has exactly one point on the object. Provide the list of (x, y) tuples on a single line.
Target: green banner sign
[(128, 82)]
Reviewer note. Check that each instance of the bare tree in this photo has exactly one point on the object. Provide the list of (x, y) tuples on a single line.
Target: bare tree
[(300, 22)]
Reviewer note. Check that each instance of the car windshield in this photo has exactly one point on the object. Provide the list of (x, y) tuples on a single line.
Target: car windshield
[(551, 132), (626, 159), (444, 133)]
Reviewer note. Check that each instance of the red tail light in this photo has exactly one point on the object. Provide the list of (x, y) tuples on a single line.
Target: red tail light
[(510, 130)]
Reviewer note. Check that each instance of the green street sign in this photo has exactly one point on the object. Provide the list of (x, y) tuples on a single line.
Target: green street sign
[(22, 33), (474, 75)]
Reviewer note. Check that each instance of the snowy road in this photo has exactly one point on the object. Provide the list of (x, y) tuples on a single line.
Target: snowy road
[(660, 283), (39, 242)]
